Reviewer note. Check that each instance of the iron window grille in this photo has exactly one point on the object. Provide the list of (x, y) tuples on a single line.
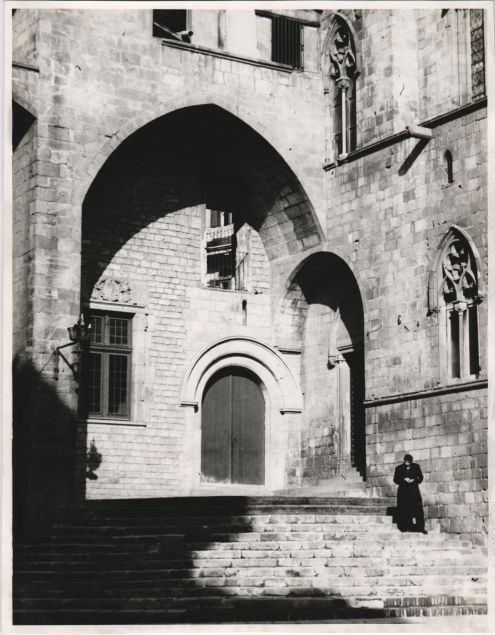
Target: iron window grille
[(287, 41), (226, 266), (108, 366)]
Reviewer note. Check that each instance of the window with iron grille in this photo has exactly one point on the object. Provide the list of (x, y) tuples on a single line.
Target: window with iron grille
[(220, 250), (108, 366), (227, 252), (287, 41), (172, 24)]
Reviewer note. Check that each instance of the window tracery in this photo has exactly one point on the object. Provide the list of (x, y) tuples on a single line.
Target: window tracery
[(459, 299)]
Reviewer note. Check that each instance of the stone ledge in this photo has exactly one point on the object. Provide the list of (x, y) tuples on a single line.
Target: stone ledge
[(421, 394), (405, 134), (285, 68)]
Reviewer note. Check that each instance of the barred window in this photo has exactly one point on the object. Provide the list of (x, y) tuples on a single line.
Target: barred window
[(287, 41), (108, 372)]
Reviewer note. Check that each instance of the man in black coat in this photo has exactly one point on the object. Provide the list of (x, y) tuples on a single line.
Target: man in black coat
[(408, 476)]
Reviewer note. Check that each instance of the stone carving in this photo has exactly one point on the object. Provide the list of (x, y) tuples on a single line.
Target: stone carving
[(342, 55), (459, 277), (109, 290)]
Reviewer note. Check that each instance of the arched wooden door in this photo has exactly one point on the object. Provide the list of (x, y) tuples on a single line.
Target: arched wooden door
[(233, 428)]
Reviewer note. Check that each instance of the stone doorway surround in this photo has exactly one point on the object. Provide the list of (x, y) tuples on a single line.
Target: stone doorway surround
[(282, 397)]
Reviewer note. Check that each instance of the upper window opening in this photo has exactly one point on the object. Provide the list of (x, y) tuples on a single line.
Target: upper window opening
[(172, 24), (343, 70), (478, 87), (287, 41), (227, 253), (449, 167)]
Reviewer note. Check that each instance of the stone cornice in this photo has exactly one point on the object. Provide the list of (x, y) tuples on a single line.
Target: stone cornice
[(424, 394), (177, 44)]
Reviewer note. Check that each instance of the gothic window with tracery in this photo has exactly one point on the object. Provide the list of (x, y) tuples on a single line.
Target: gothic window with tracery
[(459, 301), (343, 71)]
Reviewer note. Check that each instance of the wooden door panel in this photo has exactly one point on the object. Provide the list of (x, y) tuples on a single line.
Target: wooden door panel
[(233, 429), (248, 429), (216, 439)]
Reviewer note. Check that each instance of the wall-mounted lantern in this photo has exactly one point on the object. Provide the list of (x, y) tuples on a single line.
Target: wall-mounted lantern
[(79, 335)]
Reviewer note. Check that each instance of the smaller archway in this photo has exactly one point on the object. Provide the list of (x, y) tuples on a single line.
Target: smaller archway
[(321, 316)]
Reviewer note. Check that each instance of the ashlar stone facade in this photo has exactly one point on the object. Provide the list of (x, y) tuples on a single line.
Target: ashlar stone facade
[(219, 206)]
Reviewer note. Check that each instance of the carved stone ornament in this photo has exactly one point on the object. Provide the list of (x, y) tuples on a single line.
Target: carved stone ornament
[(109, 290), (459, 277), (342, 55)]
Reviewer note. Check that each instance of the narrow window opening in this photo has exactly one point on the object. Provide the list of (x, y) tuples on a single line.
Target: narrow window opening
[(449, 168), (474, 362), (455, 349), (244, 312)]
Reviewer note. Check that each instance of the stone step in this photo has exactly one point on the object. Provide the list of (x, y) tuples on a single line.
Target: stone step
[(251, 540), (267, 545), (130, 601), (176, 572), (313, 567), (238, 588), (281, 558), (333, 531), (309, 548), (257, 610), (250, 587)]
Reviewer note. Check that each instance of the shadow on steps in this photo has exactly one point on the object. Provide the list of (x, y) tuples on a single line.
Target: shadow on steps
[(197, 560)]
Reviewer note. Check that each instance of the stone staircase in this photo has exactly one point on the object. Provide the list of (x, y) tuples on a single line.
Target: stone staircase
[(242, 559)]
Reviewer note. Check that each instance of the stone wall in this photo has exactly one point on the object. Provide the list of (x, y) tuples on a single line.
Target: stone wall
[(447, 436), (389, 212)]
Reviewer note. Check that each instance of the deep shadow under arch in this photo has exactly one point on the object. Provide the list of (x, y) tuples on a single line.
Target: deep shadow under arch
[(196, 155)]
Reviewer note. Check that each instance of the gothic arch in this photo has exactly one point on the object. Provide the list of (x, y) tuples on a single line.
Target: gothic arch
[(93, 164)]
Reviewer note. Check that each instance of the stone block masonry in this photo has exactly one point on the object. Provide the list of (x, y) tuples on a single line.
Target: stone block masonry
[(115, 187)]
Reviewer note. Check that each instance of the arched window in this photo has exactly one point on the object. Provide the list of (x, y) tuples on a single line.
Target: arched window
[(458, 308), (343, 70), (449, 167)]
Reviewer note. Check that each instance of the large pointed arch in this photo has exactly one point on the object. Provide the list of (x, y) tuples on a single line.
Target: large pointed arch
[(92, 165)]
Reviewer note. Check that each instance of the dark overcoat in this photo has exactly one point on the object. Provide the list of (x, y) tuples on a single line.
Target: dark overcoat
[(409, 502)]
